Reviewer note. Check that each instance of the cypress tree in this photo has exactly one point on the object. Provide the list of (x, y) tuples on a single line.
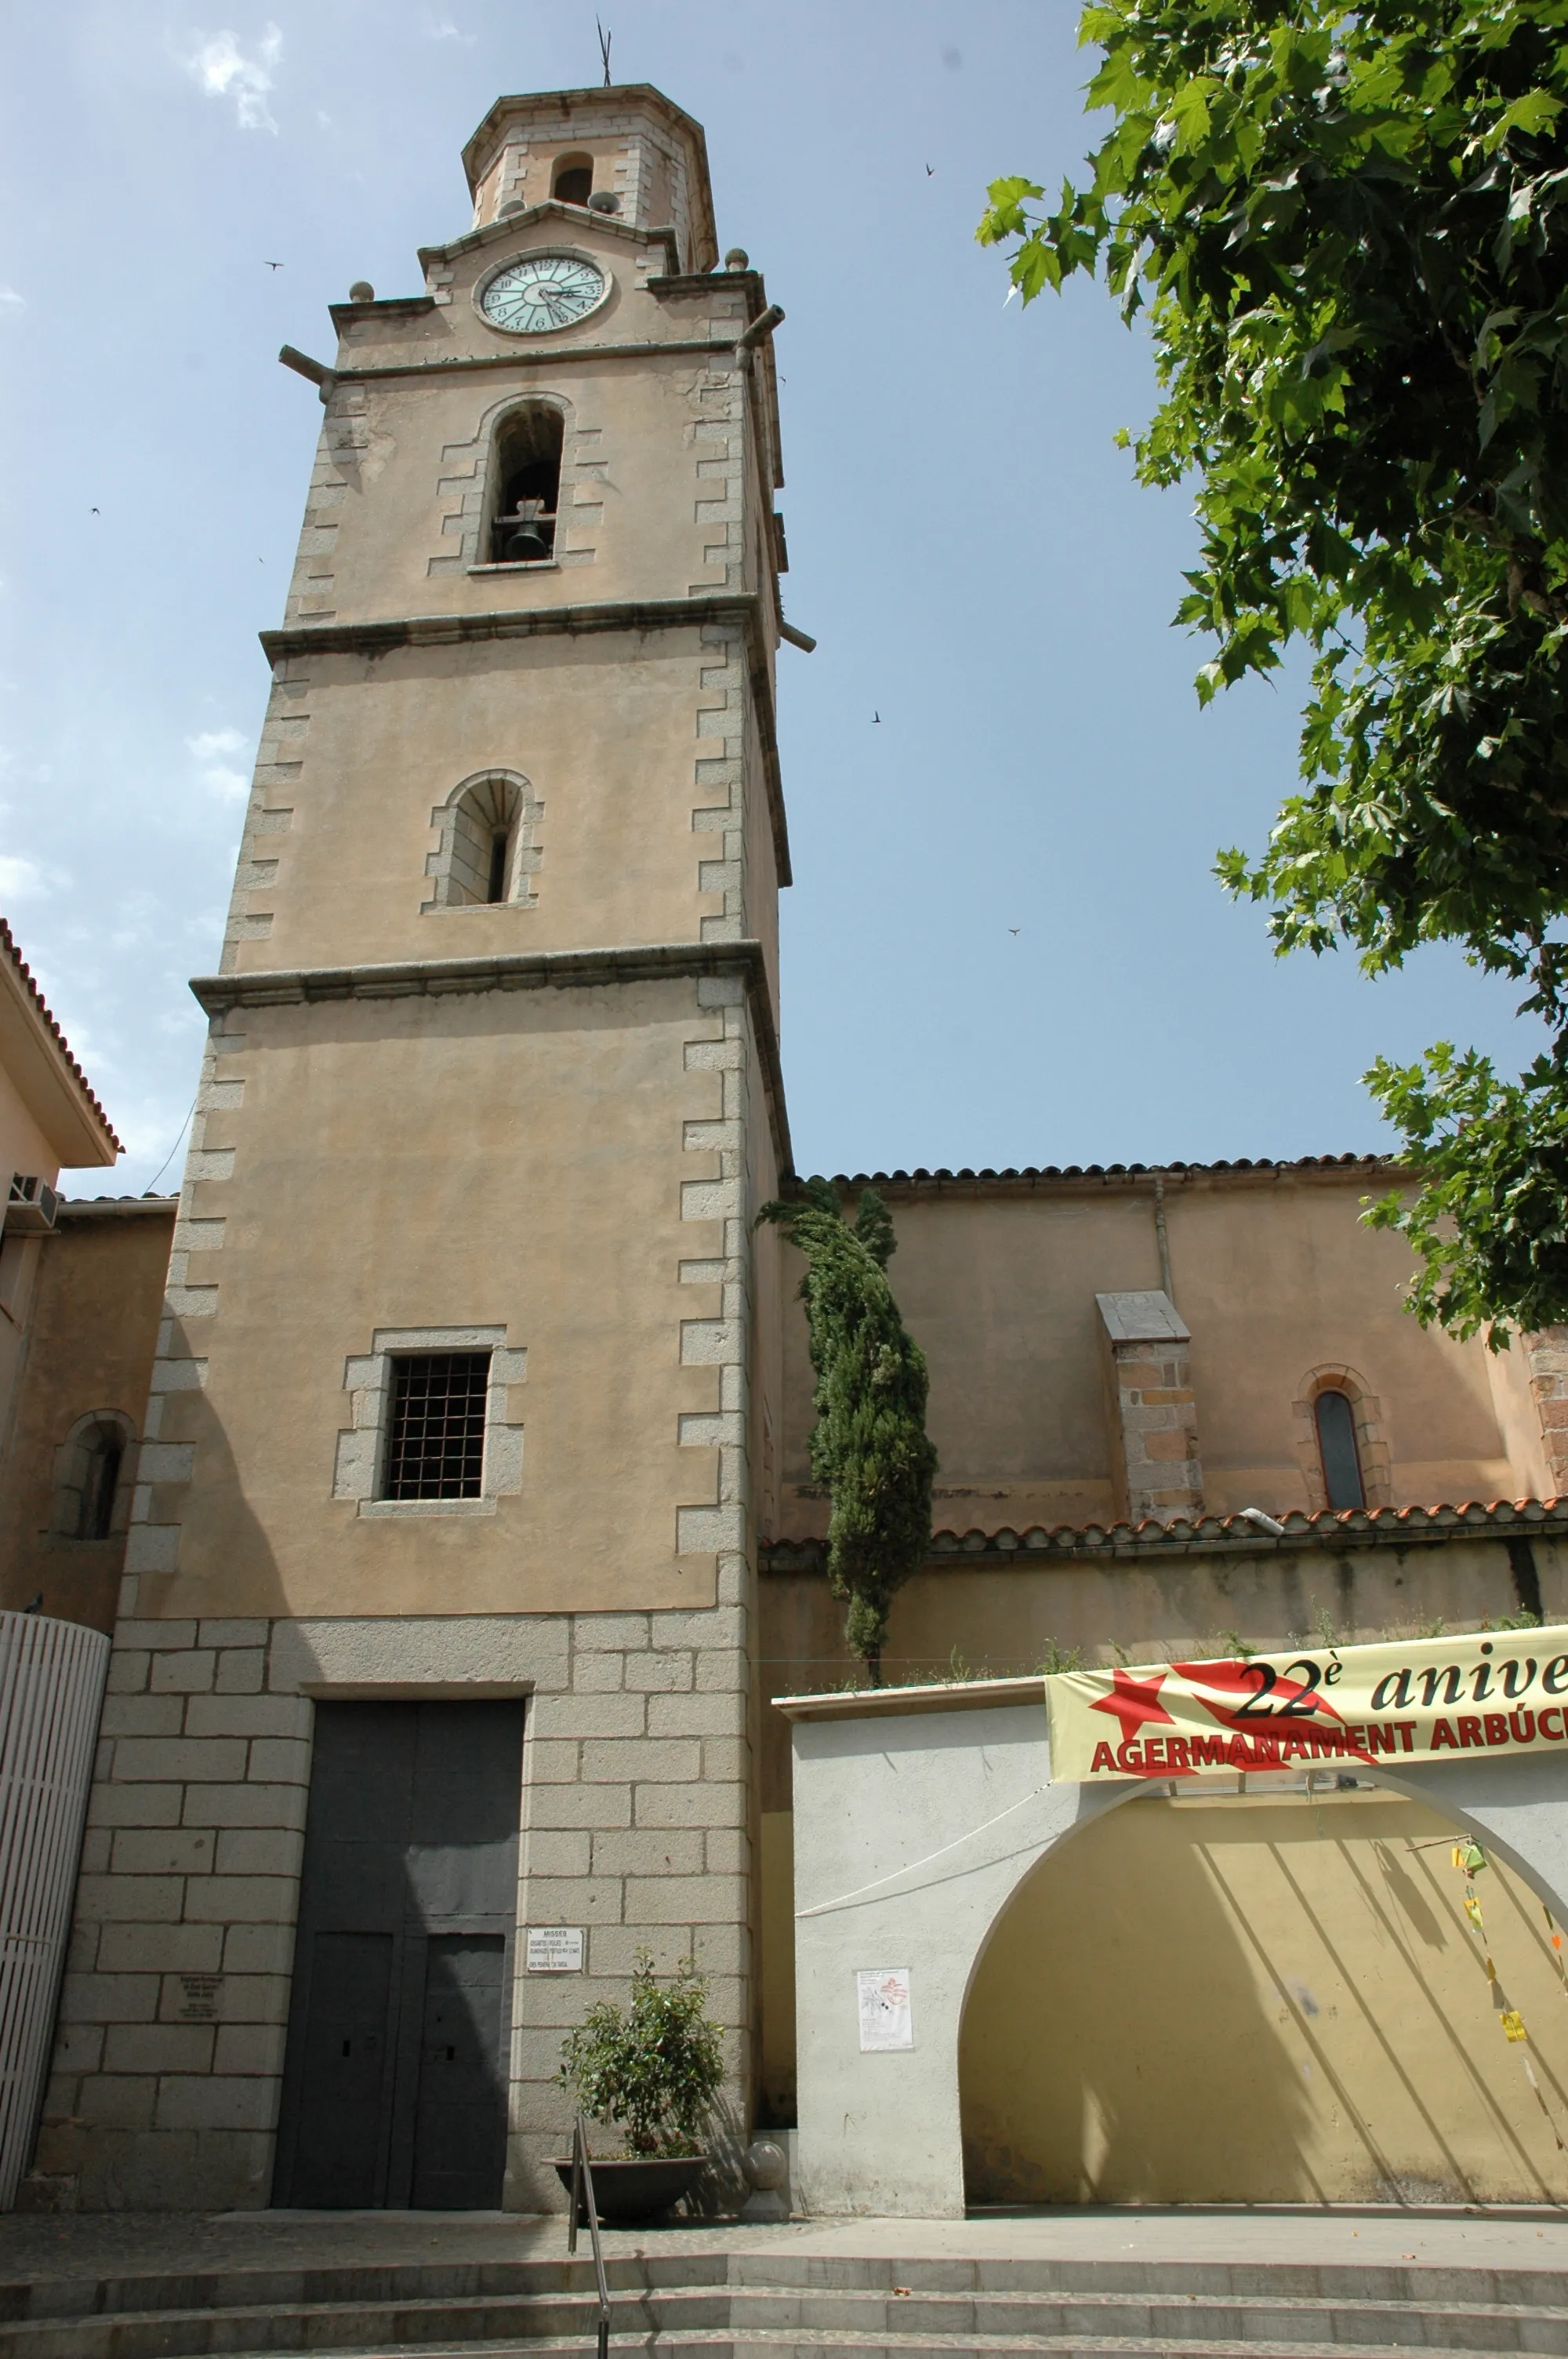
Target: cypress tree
[(869, 1447)]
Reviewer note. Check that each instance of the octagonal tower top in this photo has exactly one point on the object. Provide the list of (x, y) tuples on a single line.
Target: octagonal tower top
[(627, 141)]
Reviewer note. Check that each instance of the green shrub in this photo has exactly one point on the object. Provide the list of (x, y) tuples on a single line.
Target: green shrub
[(654, 2066)]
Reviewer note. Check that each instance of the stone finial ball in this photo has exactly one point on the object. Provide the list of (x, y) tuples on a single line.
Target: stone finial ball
[(361, 291), (737, 259), (765, 2164)]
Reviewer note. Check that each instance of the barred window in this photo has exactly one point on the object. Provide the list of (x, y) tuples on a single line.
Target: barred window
[(435, 1447)]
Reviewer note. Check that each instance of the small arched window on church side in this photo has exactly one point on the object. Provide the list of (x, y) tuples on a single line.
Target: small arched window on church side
[(1334, 1418), (91, 1492), (488, 847), (526, 477), (572, 180)]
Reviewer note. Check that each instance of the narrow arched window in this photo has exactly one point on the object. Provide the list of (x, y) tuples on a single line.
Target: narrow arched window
[(1341, 1459), (87, 1468), (105, 1454), (527, 478), (572, 180), (484, 842)]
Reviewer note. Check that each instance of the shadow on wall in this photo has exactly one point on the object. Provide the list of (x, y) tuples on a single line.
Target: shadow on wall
[(1262, 1999)]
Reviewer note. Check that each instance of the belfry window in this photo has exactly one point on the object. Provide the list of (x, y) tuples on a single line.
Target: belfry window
[(528, 481), (1335, 1421), (435, 1441), (572, 180)]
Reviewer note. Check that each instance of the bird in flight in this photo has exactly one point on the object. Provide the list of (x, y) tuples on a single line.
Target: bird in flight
[(271, 266), (929, 173), (97, 511), (1012, 930), (876, 717)]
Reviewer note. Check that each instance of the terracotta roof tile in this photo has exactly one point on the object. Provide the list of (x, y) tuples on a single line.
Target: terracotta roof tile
[(8, 945), (1330, 1526), (1031, 1172)]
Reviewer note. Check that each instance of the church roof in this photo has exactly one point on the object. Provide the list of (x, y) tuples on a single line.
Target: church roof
[(1032, 1175)]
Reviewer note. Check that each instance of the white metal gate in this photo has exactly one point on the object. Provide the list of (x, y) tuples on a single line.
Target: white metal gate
[(51, 1690)]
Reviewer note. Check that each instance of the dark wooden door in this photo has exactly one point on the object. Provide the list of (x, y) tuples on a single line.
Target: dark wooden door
[(394, 2079)]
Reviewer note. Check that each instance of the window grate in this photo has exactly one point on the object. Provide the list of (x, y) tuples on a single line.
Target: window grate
[(437, 1444)]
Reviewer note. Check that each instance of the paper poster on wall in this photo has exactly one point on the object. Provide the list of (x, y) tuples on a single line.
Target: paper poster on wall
[(554, 1949), (882, 1992)]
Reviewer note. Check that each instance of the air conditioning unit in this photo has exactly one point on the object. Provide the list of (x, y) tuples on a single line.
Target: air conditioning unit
[(31, 1206)]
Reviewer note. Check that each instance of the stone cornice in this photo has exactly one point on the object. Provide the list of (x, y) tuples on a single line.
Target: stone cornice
[(645, 348), (381, 637), (523, 971)]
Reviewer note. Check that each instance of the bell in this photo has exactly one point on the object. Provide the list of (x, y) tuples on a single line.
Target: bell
[(528, 542)]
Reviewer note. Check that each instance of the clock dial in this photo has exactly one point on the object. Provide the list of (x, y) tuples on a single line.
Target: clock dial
[(543, 291)]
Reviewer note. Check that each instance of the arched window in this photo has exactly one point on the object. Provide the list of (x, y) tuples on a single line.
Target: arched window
[(572, 180), (89, 1495), (526, 473), (489, 849), (1337, 1453)]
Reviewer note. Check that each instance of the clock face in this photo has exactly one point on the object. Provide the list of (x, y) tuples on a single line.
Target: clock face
[(542, 291)]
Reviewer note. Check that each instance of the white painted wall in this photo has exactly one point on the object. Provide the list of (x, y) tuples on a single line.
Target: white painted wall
[(913, 1827)]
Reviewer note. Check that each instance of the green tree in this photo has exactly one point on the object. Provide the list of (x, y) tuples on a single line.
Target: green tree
[(1347, 229), (868, 1446)]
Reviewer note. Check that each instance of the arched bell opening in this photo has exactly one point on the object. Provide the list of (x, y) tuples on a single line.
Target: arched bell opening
[(527, 478), (1274, 1994), (571, 181)]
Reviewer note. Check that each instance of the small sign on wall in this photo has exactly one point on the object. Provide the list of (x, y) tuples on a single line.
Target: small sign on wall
[(883, 1994), (554, 1949)]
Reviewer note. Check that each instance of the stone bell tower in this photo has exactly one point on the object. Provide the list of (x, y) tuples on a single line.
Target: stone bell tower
[(436, 1622)]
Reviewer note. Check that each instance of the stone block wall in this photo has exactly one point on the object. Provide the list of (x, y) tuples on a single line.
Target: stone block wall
[(1546, 1358), (1156, 1469), (169, 2059)]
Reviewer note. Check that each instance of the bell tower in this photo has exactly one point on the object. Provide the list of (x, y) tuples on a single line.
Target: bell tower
[(436, 1623)]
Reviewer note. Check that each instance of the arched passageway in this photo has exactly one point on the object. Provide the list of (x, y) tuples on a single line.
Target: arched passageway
[(1263, 1997), (919, 1816)]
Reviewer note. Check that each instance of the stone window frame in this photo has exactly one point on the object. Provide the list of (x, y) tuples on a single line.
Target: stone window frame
[(361, 1444), (69, 1472), (509, 794), (469, 476), (1371, 1439)]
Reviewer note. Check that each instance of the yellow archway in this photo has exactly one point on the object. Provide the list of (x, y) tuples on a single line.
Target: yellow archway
[(1265, 1997)]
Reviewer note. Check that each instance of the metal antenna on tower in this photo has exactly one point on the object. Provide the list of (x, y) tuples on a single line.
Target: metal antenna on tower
[(604, 41)]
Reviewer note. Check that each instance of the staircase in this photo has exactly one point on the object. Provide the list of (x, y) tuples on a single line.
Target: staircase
[(759, 2305)]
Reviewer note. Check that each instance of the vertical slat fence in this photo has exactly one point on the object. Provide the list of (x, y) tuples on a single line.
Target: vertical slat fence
[(52, 1677)]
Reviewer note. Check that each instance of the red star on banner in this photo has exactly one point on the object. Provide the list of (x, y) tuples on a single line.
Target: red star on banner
[(1133, 1702)]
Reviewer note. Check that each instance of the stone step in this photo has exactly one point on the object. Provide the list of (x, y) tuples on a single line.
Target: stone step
[(714, 2320)]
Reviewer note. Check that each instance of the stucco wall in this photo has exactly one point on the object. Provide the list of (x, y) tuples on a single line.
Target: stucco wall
[(916, 1820), (91, 1335), (1276, 1276)]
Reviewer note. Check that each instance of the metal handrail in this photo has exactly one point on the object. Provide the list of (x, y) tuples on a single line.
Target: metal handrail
[(582, 2187)]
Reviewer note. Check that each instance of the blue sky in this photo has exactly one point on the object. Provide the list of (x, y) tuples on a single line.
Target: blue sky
[(966, 544)]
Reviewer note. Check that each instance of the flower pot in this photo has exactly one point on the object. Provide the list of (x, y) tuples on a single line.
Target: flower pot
[(636, 2187)]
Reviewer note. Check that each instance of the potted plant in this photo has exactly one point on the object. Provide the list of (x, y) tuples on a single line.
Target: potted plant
[(653, 2068)]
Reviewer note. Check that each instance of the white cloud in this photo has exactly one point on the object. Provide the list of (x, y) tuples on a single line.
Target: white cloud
[(222, 68), (441, 29), (220, 777), (11, 302), (21, 880)]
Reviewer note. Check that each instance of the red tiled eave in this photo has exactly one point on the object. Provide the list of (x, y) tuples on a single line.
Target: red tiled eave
[(1378, 1169), (8, 945), (1343, 1528)]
